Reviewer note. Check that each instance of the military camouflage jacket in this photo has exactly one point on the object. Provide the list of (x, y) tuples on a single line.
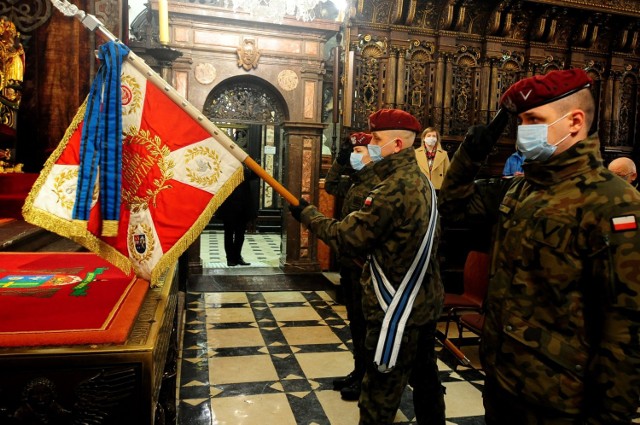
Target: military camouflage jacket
[(562, 322), (389, 225), (338, 180), (361, 182)]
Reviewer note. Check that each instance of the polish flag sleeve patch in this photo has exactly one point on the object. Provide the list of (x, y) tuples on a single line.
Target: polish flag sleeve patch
[(624, 223)]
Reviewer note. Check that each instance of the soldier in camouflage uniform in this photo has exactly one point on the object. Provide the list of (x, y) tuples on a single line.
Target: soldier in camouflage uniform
[(389, 226), (354, 188), (561, 341)]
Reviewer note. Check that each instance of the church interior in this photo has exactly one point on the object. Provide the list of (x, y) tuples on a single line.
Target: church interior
[(286, 82)]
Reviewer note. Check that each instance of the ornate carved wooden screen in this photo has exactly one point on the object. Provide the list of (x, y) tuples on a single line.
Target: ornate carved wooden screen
[(448, 61)]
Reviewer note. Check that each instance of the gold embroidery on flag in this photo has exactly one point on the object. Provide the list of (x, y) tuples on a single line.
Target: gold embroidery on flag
[(136, 169), (64, 191), (208, 168), (131, 95)]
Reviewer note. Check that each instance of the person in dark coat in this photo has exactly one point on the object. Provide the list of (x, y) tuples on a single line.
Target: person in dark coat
[(235, 213)]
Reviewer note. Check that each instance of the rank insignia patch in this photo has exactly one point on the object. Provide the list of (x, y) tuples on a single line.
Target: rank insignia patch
[(624, 223)]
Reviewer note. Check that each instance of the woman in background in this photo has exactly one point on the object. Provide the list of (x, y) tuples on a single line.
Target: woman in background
[(432, 158)]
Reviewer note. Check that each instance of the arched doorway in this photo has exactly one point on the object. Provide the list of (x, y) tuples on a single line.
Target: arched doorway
[(252, 111)]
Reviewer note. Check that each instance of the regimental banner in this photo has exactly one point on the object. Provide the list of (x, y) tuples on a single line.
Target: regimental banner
[(174, 176)]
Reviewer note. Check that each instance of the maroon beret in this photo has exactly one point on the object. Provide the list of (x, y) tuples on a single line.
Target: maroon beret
[(360, 139), (393, 119), (539, 90)]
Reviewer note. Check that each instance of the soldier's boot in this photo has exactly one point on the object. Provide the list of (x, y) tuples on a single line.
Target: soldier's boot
[(434, 413), (340, 383), (351, 392)]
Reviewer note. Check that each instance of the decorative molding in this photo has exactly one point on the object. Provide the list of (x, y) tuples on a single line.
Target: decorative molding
[(27, 15), (205, 73), (248, 54), (288, 80)]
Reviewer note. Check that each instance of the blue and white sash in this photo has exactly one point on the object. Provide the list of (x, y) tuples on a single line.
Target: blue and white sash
[(397, 304)]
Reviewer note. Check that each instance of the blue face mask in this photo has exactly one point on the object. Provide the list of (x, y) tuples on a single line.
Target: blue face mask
[(356, 161), (532, 141), (375, 151)]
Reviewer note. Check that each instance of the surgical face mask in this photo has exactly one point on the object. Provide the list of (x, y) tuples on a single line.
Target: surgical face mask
[(430, 141), (356, 161), (532, 141), (375, 151)]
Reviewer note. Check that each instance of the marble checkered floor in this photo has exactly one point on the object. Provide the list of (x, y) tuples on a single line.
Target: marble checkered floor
[(270, 358), (259, 249)]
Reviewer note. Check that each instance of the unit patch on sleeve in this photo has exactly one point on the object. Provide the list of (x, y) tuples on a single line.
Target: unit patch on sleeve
[(624, 223)]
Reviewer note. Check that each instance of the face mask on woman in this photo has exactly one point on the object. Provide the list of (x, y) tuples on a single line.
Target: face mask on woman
[(430, 141), (532, 141), (356, 161)]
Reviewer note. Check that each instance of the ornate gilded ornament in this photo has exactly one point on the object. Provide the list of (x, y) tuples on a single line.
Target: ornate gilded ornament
[(205, 73), (137, 192), (203, 166), (288, 80), (248, 54), (12, 62)]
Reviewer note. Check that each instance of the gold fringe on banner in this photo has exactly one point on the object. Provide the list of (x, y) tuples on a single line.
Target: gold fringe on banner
[(196, 229)]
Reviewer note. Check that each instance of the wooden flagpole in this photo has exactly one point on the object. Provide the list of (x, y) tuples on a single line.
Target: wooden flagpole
[(93, 24)]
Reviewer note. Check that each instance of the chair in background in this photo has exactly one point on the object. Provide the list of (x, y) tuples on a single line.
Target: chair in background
[(472, 322), (475, 285)]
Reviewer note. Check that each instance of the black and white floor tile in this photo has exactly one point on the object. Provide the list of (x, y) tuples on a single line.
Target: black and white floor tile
[(270, 358), (260, 249)]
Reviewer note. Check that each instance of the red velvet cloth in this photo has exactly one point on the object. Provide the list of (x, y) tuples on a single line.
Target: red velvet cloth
[(65, 298), (14, 188)]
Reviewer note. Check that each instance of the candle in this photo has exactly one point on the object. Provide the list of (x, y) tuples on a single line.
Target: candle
[(163, 21)]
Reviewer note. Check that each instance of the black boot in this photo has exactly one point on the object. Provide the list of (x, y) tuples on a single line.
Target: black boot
[(242, 262), (340, 383), (351, 392)]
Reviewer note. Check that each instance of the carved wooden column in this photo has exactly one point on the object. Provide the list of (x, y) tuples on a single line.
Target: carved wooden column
[(304, 147), (447, 101), (392, 76), (438, 115), (400, 81), (486, 88), (607, 111), (615, 108)]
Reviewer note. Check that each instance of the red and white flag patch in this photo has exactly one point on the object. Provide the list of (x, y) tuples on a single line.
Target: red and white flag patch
[(368, 201), (624, 223)]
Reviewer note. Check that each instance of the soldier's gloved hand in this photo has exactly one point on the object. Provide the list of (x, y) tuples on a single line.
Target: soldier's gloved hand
[(344, 153), (480, 138), (296, 210)]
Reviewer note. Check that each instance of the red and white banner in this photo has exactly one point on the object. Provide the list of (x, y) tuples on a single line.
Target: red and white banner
[(174, 176)]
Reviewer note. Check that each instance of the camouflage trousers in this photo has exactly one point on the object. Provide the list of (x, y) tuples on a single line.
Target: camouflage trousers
[(503, 408), (381, 392), (350, 283)]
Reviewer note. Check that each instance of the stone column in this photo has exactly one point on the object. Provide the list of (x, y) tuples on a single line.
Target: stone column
[(304, 150)]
